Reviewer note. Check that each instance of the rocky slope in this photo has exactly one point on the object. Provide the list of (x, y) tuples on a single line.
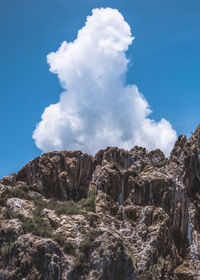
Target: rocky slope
[(121, 215)]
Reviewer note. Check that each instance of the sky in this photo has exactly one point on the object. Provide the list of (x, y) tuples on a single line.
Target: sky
[(159, 69)]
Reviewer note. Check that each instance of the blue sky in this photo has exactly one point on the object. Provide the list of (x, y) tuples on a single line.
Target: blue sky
[(165, 63)]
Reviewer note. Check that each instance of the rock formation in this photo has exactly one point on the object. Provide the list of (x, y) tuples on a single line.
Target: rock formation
[(120, 215)]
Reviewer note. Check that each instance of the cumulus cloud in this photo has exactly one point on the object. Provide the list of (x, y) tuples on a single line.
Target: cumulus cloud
[(97, 109)]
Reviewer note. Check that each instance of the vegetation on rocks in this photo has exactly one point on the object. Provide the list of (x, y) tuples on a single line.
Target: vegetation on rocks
[(67, 246), (131, 255), (35, 225), (82, 258), (19, 191), (153, 272), (6, 250), (141, 224), (61, 207), (115, 166), (38, 226), (89, 203)]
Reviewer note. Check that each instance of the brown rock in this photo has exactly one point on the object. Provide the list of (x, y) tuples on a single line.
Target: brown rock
[(146, 224), (64, 174)]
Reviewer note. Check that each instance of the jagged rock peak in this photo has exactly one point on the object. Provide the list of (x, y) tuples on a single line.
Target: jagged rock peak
[(118, 215)]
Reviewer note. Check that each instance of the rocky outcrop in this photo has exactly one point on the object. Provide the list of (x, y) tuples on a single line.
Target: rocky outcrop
[(22, 206), (41, 258), (121, 215), (64, 175)]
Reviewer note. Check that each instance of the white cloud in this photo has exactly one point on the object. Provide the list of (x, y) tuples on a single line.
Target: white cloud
[(97, 109)]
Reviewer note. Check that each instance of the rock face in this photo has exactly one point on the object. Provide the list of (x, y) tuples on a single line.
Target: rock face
[(64, 175), (121, 215)]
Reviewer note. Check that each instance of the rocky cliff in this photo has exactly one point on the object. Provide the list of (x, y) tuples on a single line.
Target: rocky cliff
[(121, 215)]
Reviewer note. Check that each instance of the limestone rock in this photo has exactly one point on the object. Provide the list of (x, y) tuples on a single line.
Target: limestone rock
[(10, 230), (9, 180), (34, 258), (59, 174), (135, 215), (22, 206)]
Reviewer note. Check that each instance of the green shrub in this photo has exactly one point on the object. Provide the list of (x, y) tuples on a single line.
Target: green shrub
[(37, 226), (194, 149), (19, 192), (154, 271), (67, 246), (58, 237), (86, 244), (131, 255), (92, 219), (8, 214), (6, 250), (89, 203), (79, 262), (82, 257), (115, 166), (65, 207)]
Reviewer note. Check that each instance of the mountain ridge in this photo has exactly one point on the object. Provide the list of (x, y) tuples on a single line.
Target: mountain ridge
[(116, 215)]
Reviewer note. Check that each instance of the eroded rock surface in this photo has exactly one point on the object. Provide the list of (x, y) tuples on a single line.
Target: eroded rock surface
[(63, 175), (21, 206), (121, 215)]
